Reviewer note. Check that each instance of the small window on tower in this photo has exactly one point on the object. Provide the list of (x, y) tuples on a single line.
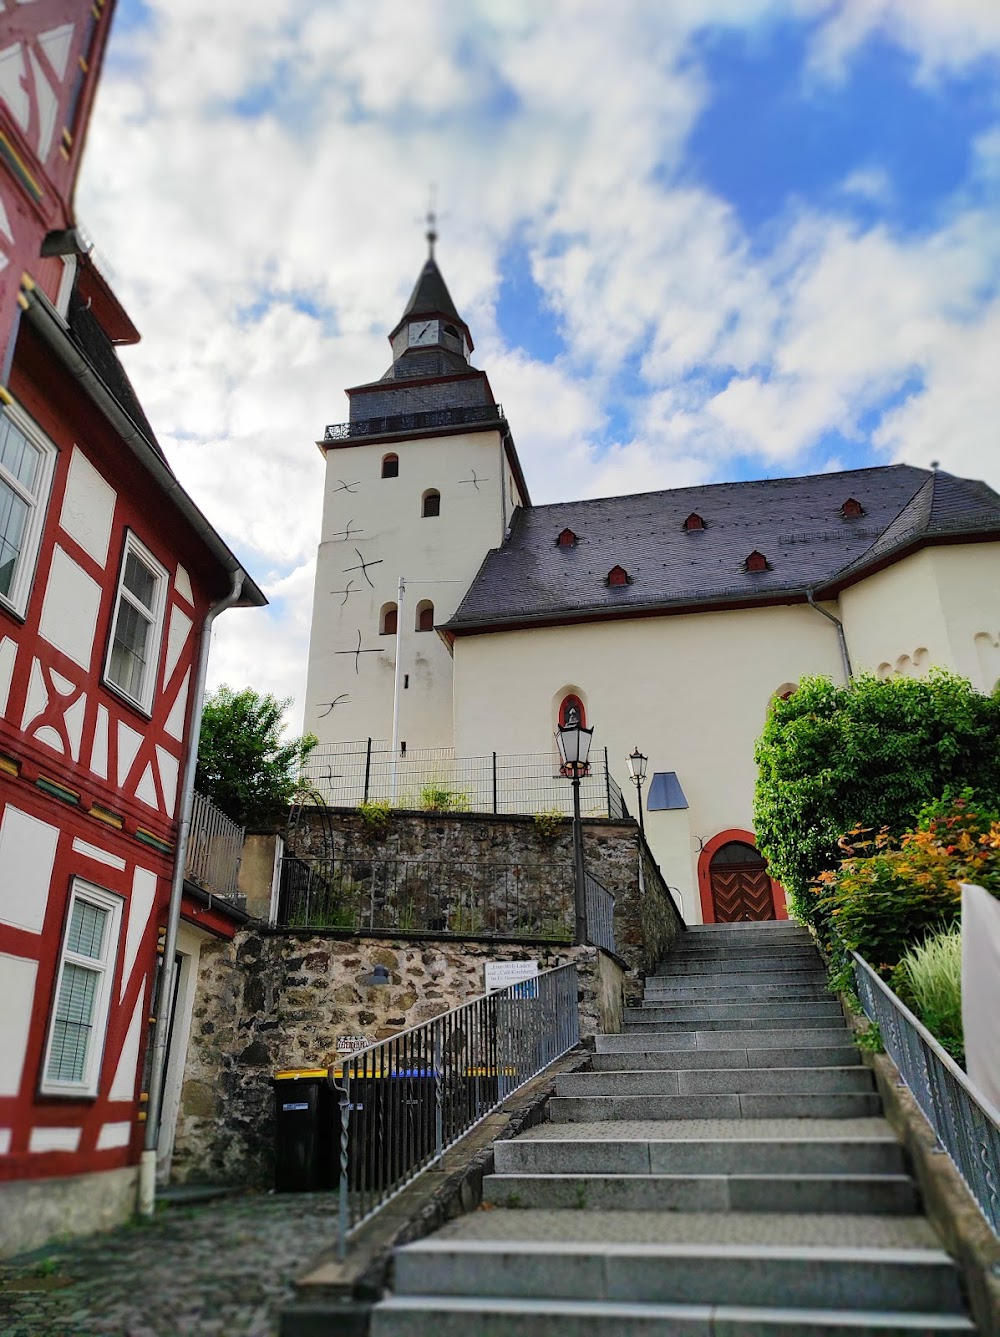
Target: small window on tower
[(450, 329), (388, 620), (567, 539), (571, 712), (431, 503), (619, 576), (390, 466), (425, 615), (694, 521)]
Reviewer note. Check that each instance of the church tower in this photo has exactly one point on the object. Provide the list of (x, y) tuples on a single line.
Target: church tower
[(421, 483)]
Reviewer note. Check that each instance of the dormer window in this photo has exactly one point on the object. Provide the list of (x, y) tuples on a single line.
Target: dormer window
[(693, 522), (851, 509), (756, 562), (567, 539), (618, 576)]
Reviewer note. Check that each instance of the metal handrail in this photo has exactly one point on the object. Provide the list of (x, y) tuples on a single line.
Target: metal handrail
[(404, 1101), (600, 914), (965, 1123)]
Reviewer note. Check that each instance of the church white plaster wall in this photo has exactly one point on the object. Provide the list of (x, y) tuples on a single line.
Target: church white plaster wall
[(380, 519), (88, 507), (935, 602), (691, 690)]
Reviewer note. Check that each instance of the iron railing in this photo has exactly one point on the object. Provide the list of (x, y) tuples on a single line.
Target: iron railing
[(434, 779), (446, 899), (414, 422), (214, 850), (964, 1122), (600, 914), (405, 1100)]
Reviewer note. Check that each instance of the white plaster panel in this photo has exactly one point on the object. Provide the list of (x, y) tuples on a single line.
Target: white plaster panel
[(175, 720), (182, 584), (46, 104), (114, 1135), (62, 685), (8, 657), (69, 613), (50, 737), (129, 743), (99, 751), (139, 907), (180, 626), (27, 856), (146, 788), (37, 698), (101, 856), (4, 1141), (54, 1139), (18, 974), (169, 768), (126, 1074), (73, 720), (12, 84), (88, 507), (56, 44)]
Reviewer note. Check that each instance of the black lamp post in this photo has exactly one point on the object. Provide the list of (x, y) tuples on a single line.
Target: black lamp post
[(637, 772), (574, 749)]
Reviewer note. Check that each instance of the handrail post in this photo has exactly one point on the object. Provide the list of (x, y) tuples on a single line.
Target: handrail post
[(368, 767), (607, 781), (494, 784)]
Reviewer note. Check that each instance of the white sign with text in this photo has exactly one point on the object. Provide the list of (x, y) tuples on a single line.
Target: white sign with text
[(502, 974)]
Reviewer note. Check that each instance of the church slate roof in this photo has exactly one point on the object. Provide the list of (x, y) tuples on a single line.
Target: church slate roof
[(795, 523), (430, 295)]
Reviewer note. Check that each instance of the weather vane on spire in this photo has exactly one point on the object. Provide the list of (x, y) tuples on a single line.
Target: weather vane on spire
[(432, 235)]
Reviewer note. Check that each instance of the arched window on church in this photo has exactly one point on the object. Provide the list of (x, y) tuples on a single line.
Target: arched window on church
[(388, 620), (425, 616), (390, 466), (571, 712), (431, 504)]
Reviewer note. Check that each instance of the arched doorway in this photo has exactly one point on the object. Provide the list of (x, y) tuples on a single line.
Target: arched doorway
[(734, 882)]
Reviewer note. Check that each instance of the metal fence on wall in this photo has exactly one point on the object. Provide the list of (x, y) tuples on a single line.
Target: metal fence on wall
[(600, 914), (346, 774), (214, 850), (454, 898), (404, 1101), (964, 1122)]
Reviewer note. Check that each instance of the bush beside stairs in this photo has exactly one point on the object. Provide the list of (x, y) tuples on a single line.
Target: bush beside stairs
[(723, 1170)]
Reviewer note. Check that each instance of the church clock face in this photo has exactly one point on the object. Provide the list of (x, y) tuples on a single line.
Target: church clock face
[(422, 332)]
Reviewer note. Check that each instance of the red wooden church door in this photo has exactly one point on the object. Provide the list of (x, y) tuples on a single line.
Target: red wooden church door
[(741, 887)]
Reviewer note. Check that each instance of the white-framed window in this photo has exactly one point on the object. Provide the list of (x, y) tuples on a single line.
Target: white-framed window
[(27, 460), (137, 625), (79, 1019)]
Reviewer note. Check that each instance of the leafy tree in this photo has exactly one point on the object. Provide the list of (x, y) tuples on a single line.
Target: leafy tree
[(243, 765), (870, 754)]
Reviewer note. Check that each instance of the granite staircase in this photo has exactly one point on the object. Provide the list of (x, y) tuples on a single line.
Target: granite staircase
[(723, 1170)]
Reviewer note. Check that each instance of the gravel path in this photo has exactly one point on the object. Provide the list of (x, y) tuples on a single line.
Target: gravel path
[(220, 1269)]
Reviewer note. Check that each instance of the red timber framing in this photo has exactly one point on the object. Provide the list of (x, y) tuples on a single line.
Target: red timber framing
[(711, 848)]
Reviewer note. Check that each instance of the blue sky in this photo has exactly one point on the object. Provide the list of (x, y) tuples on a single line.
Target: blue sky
[(706, 240)]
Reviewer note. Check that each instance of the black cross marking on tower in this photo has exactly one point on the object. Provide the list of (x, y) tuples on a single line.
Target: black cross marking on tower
[(340, 700), (363, 568), (475, 480), (346, 593), (347, 487), (359, 652), (347, 533)]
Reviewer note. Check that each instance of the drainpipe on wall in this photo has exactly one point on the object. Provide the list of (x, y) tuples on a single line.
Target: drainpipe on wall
[(147, 1164), (845, 658)]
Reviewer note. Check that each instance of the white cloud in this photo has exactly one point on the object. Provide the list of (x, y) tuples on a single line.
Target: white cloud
[(943, 35)]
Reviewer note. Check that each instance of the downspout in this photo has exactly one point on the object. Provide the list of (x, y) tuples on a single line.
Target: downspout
[(845, 658), (147, 1164)]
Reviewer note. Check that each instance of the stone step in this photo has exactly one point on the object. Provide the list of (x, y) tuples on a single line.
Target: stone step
[(722, 993), (766, 971), (461, 1316), (822, 1056), (734, 1105), (715, 1081), (805, 951), (665, 1040), (631, 1269), (757, 1011), (784, 1021), (768, 1156), (894, 1195)]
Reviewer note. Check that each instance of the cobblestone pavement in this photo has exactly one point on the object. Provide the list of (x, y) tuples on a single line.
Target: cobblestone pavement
[(219, 1269)]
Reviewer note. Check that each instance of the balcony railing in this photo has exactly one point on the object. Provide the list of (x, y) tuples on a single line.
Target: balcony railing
[(215, 846), (414, 422)]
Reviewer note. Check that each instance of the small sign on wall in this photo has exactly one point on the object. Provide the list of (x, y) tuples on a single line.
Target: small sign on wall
[(350, 1044), (503, 974)]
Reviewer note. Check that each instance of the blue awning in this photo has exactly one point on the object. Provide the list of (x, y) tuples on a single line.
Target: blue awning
[(665, 792)]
